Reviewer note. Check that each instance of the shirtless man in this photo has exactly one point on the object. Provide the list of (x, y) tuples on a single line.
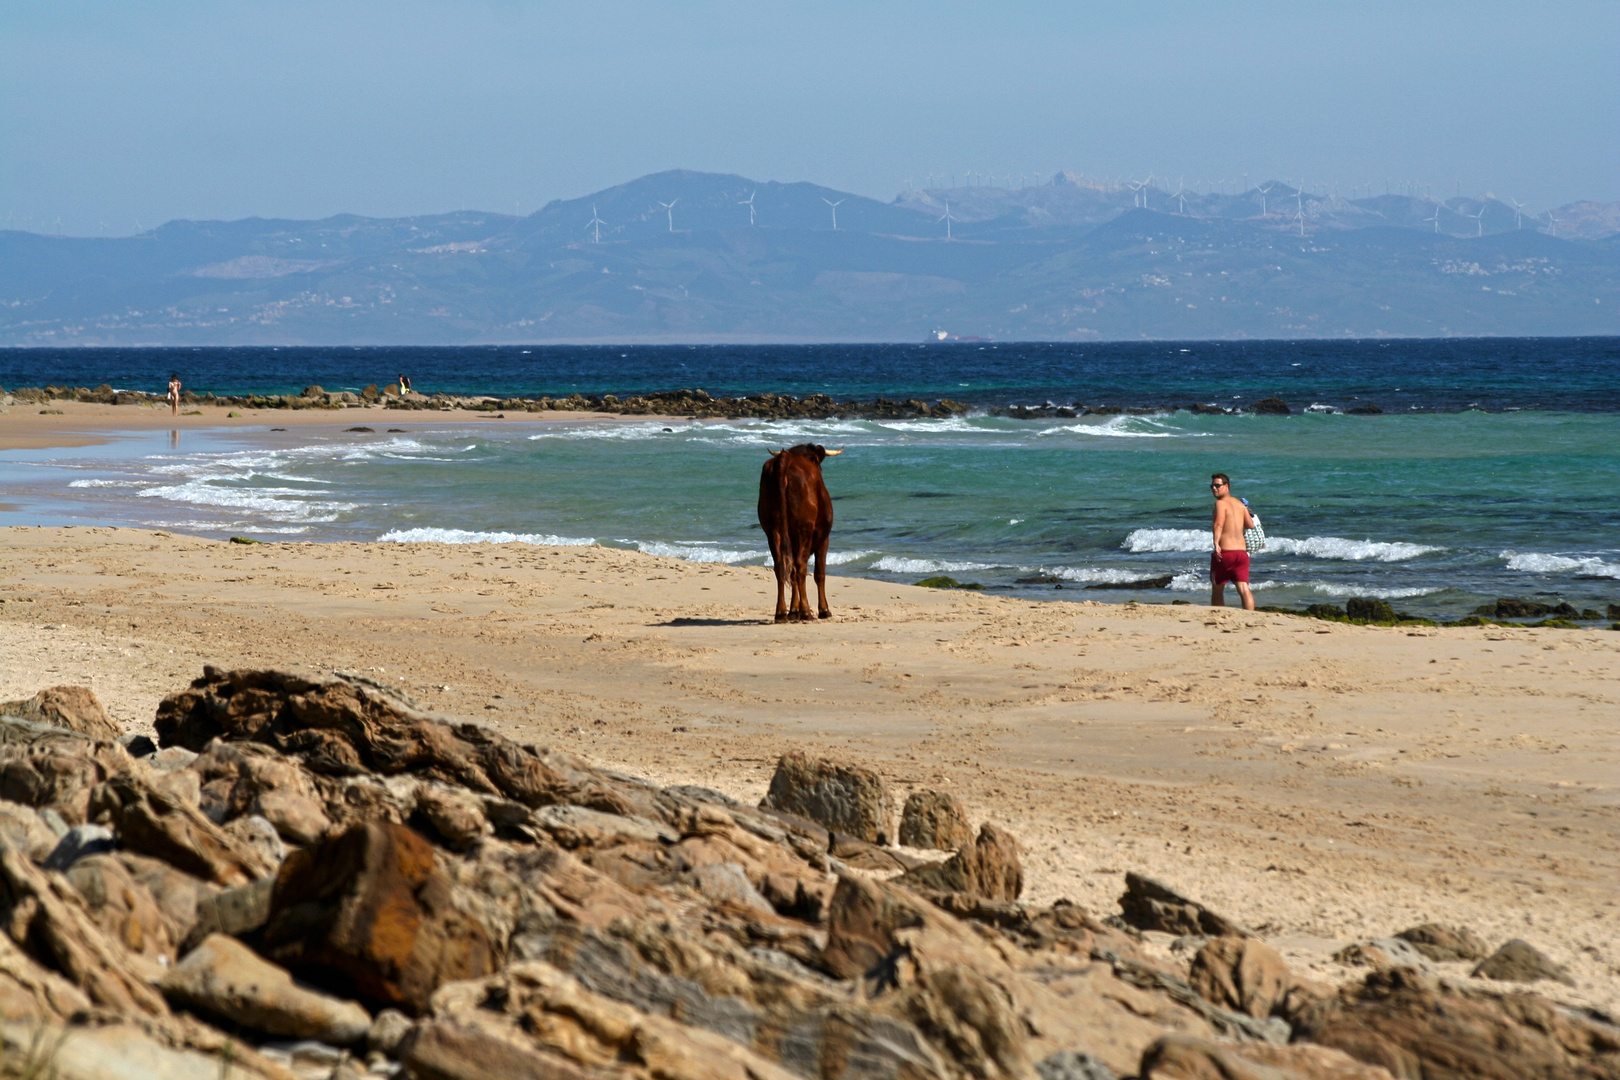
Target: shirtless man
[(174, 394), (1230, 562)]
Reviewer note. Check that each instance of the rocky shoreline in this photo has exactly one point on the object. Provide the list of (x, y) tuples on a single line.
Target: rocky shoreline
[(692, 403), (313, 877)]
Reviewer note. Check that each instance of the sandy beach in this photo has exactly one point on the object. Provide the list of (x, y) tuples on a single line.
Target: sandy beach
[(1321, 783), (83, 423)]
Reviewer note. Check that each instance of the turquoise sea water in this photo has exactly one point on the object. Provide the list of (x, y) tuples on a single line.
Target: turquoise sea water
[(1436, 511)]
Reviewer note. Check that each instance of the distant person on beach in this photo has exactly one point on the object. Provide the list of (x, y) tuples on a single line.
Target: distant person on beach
[(1230, 561), (174, 394), (404, 386)]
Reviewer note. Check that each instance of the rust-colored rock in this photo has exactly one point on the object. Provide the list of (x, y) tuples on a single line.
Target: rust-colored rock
[(59, 776), (934, 819), (73, 707), (1445, 942), (123, 907), (347, 727), (1152, 905), (1183, 1057), (1248, 976), (153, 823), (47, 917), (1520, 961), (369, 914), (1417, 1028), (848, 798), (989, 867)]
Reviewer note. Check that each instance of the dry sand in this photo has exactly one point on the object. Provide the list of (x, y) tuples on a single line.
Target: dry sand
[(1320, 783)]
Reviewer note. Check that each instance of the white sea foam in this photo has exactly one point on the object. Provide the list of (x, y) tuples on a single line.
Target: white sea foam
[(464, 536), (697, 552), (1126, 427), (1095, 575), (896, 564), (1195, 582), (1337, 547), (279, 504), (1141, 540), (1576, 565), (1316, 547), (1328, 588), (107, 483), (840, 558)]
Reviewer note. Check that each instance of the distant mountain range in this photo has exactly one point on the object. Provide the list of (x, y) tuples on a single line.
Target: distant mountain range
[(697, 257)]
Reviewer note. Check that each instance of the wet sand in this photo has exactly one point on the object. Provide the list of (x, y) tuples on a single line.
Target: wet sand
[(1321, 783), (83, 423)]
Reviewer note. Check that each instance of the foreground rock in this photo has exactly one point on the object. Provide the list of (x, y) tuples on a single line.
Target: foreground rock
[(1416, 1026), (306, 848), (848, 798), (370, 908), (75, 708), (227, 979)]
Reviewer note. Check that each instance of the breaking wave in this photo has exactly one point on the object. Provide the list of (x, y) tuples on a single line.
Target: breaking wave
[(1576, 565), (463, 536), (1316, 547)]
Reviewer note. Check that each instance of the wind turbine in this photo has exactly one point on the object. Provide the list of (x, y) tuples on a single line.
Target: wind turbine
[(1299, 216), (1264, 191), (1180, 197), (749, 202), (1436, 218), (595, 223), (834, 206), (1552, 224), (1136, 191), (669, 208), (947, 219), (1517, 206), (1479, 221)]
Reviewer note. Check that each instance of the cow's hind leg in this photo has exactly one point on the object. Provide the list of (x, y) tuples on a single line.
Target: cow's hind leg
[(781, 572), (822, 611)]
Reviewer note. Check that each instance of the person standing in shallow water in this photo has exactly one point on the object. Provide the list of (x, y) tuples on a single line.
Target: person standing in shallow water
[(1230, 561), (174, 394)]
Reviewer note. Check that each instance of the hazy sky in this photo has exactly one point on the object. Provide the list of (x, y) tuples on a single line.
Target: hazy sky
[(115, 112)]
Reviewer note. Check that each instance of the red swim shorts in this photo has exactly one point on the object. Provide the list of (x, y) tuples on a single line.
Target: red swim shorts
[(1225, 566)]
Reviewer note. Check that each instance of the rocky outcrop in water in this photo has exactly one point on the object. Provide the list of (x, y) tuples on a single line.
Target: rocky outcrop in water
[(315, 878)]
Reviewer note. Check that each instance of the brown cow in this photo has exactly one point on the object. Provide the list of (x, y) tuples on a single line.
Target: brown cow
[(796, 513)]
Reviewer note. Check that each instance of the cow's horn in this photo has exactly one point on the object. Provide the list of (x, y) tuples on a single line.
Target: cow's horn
[(776, 453), (834, 453)]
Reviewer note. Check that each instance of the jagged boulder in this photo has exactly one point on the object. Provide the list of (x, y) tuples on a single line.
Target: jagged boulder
[(1417, 1026), (369, 913), (1444, 943), (847, 798), (59, 775), (1520, 961), (344, 727), (73, 707), (1249, 976), (988, 867), (224, 978), (934, 819), (124, 908), (1183, 1057), (1152, 905), (153, 823)]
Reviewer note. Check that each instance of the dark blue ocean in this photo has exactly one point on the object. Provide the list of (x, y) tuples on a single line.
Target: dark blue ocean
[(1444, 375), (1492, 471)]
